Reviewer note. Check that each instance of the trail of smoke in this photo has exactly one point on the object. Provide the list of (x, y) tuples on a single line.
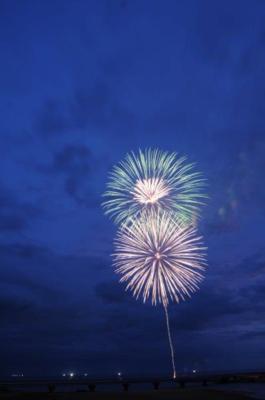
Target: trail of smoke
[(170, 343)]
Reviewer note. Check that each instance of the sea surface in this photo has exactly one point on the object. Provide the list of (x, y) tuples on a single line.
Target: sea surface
[(254, 390)]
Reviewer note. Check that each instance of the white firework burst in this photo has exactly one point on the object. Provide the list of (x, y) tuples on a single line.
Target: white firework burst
[(153, 180), (159, 257)]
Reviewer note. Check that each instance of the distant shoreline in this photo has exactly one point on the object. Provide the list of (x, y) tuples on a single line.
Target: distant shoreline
[(179, 394)]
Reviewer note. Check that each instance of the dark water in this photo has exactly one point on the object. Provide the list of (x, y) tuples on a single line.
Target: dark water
[(255, 390)]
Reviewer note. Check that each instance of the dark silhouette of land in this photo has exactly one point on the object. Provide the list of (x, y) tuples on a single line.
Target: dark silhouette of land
[(177, 394), (184, 387)]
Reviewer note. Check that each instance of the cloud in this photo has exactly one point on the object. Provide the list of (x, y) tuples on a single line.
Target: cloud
[(73, 159), (36, 274), (51, 119), (76, 164), (253, 335), (111, 292), (98, 106), (250, 271), (47, 308), (205, 310), (91, 106), (14, 309), (72, 321), (15, 215)]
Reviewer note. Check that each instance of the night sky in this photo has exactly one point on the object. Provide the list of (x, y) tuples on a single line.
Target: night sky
[(82, 83)]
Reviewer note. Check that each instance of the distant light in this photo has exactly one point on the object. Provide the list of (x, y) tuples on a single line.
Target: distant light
[(71, 374), (85, 374), (119, 373), (64, 374), (194, 371)]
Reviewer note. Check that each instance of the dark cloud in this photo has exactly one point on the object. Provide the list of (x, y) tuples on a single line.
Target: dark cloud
[(99, 107), (14, 310), (51, 120), (73, 159), (111, 292), (15, 215), (91, 105), (252, 267), (209, 308), (36, 305), (76, 165), (12, 222), (20, 254), (87, 109), (253, 335)]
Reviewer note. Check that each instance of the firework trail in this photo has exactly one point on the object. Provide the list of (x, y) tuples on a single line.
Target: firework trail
[(156, 180), (161, 259), (172, 353)]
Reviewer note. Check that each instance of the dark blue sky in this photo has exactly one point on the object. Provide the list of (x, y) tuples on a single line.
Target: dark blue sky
[(82, 83)]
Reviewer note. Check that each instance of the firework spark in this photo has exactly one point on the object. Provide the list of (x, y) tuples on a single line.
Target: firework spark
[(153, 180), (155, 197), (159, 258)]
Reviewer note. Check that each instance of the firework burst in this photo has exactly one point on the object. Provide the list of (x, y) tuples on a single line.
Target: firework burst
[(153, 180), (155, 196), (159, 257)]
